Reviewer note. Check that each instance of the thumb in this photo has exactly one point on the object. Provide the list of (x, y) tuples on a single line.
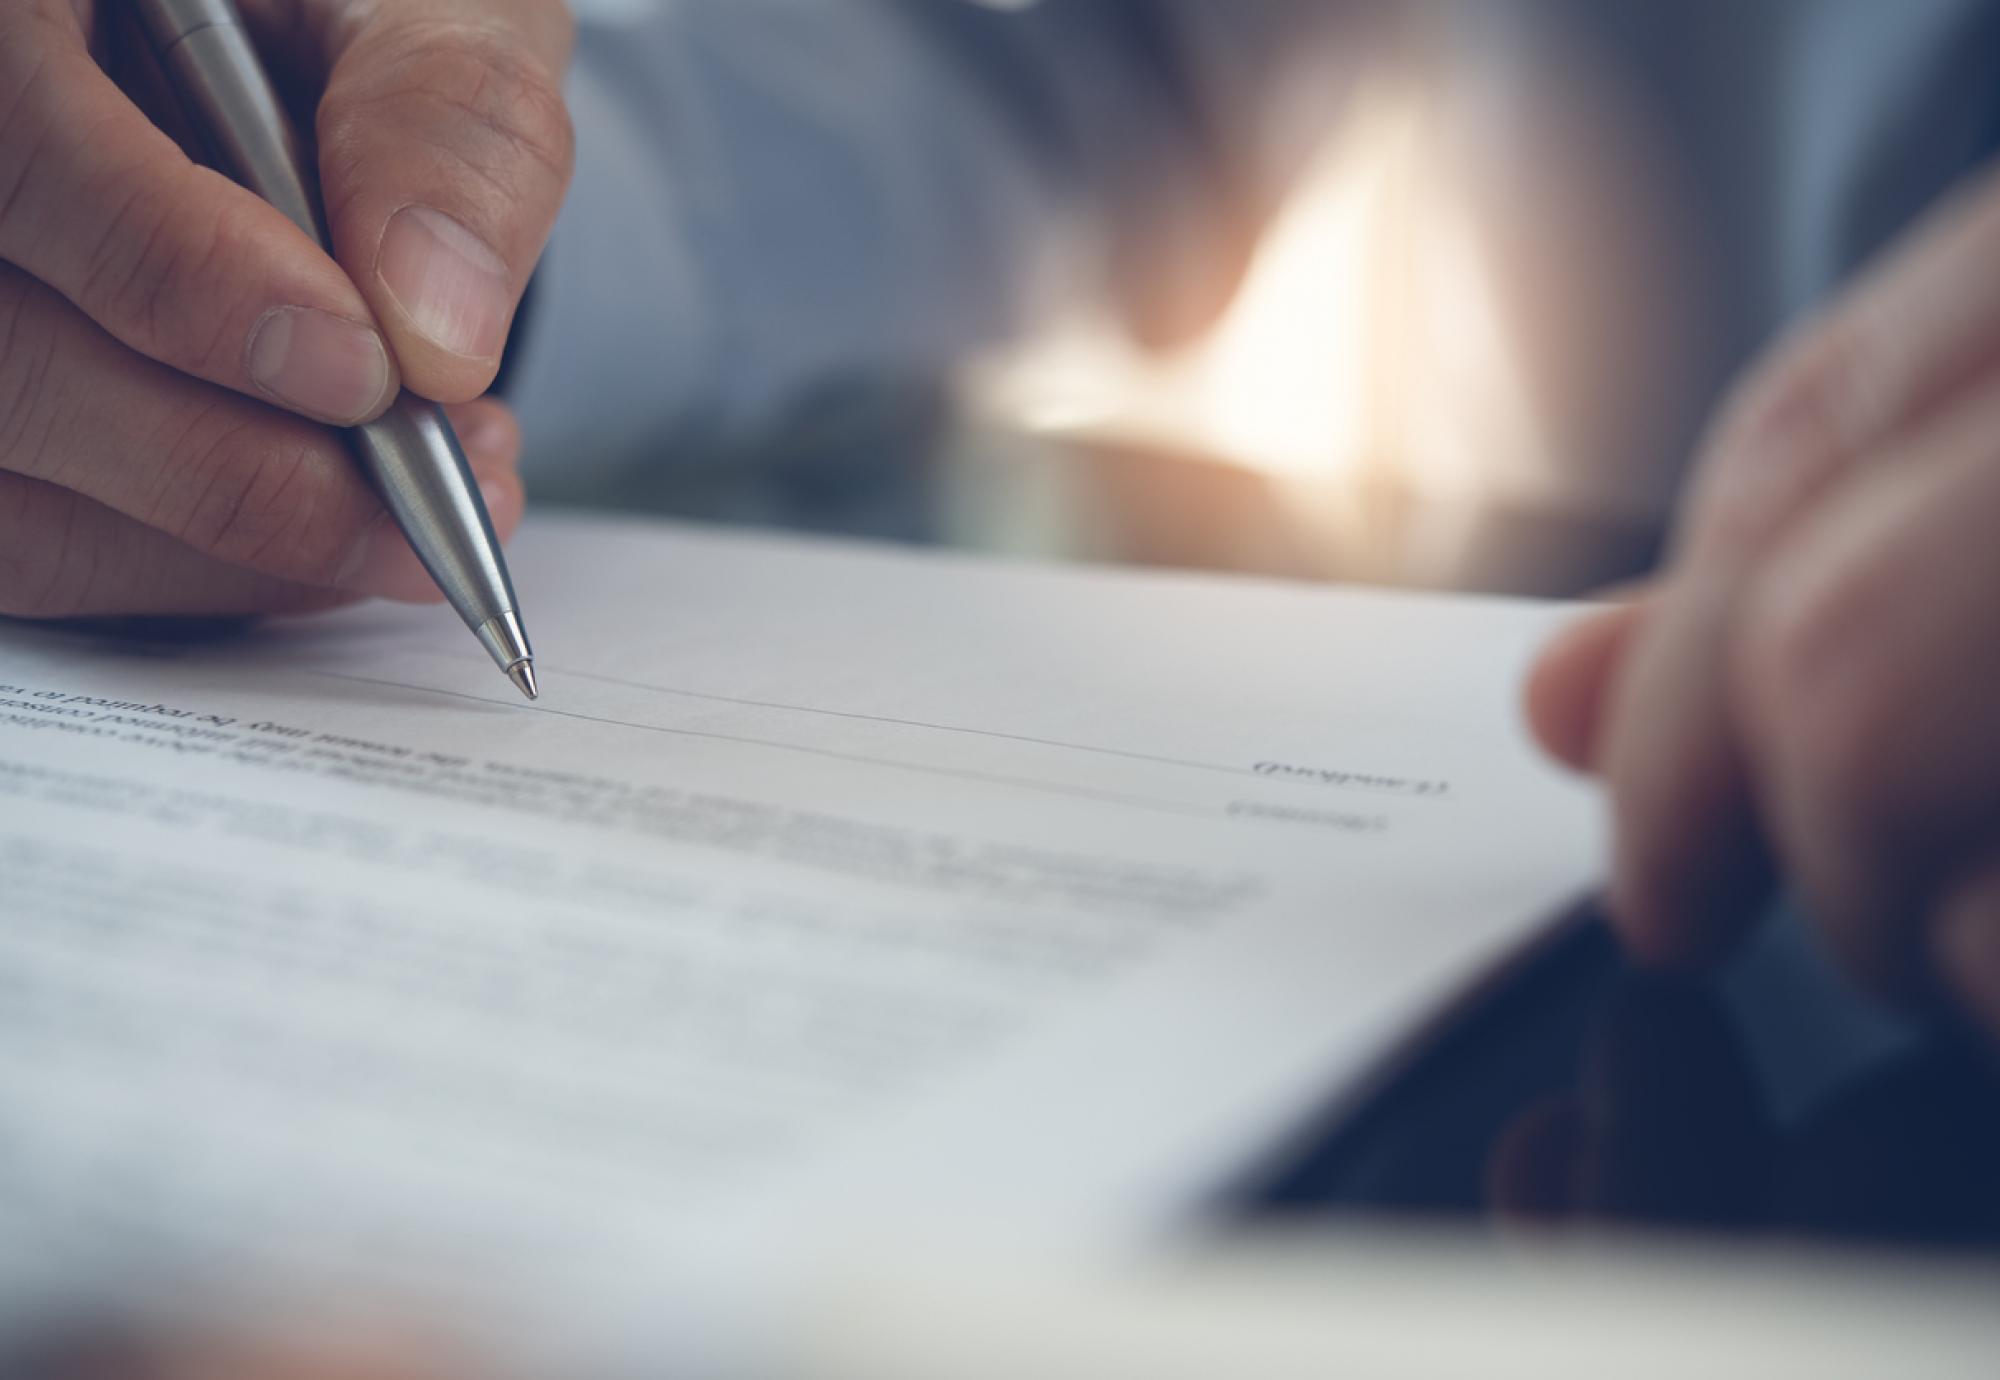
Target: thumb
[(445, 151), (1569, 685)]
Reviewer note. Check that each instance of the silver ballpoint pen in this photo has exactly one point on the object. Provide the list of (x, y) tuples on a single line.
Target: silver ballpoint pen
[(411, 453)]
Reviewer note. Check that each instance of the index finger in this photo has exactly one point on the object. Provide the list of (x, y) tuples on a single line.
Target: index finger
[(174, 260)]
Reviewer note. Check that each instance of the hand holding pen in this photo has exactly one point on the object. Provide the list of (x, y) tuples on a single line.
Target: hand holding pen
[(166, 334)]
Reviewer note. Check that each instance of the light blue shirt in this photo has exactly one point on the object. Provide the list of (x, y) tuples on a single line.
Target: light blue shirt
[(774, 194)]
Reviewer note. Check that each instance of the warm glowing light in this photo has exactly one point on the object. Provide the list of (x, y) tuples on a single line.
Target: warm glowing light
[(1283, 382), (1366, 343)]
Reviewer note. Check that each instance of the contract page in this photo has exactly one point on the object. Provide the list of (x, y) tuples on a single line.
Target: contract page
[(827, 886)]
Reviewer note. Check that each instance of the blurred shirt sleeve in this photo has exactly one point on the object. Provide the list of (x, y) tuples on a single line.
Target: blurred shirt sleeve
[(777, 193)]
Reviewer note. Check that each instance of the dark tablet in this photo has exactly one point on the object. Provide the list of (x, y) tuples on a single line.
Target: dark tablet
[(1765, 1100)]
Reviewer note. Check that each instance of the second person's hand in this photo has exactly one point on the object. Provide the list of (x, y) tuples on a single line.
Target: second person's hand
[(1811, 688), (171, 348)]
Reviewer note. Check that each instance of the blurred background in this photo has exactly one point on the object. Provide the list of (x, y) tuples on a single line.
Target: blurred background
[(1462, 328), (1436, 293), (1448, 363), (1467, 346)]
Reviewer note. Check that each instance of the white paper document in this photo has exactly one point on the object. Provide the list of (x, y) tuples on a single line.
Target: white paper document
[(827, 886)]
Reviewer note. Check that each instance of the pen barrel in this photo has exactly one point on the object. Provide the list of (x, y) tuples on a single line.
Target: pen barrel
[(215, 69), (414, 459), (410, 453)]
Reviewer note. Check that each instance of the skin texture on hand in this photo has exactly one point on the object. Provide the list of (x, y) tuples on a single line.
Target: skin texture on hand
[(171, 347), (1812, 689), (112, 1352)]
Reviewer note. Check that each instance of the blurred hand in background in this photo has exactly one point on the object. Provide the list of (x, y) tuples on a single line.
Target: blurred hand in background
[(114, 1353), (1812, 688)]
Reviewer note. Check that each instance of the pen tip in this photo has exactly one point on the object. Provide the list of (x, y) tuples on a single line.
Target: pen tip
[(522, 673)]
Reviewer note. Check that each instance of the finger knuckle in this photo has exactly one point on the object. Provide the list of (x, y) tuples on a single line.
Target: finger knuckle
[(513, 98), (1805, 386), (29, 132), (258, 494), (1813, 692), (1794, 428), (47, 564), (29, 396), (476, 100), (162, 252)]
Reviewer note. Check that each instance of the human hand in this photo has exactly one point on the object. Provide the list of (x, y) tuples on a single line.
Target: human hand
[(165, 335), (1814, 686), (114, 1352)]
